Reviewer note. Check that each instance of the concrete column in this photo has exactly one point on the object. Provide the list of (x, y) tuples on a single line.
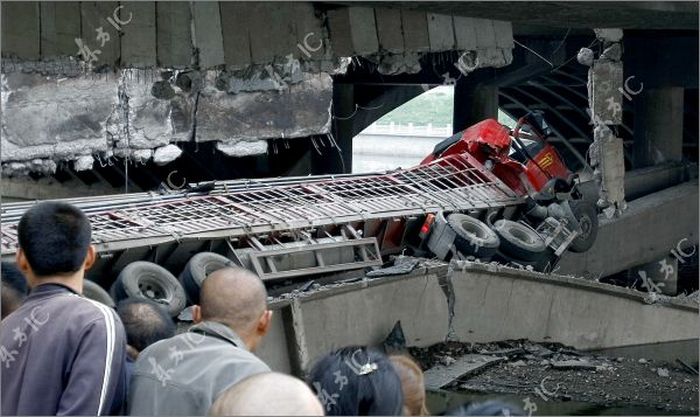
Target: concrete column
[(658, 126), (473, 103), (329, 161)]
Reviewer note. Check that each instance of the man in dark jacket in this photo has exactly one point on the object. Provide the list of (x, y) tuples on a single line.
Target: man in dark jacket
[(14, 288), (183, 375), (61, 353)]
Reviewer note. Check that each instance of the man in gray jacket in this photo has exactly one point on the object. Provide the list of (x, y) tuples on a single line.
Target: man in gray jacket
[(183, 375), (62, 354)]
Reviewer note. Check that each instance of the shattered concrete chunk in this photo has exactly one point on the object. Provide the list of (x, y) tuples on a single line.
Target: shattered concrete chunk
[(243, 148), (142, 155), (609, 34), (612, 53), (83, 163), (484, 58), (299, 110), (585, 57), (166, 154)]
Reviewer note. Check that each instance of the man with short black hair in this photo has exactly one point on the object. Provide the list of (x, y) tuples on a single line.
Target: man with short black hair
[(183, 375), (145, 322), (14, 288), (61, 353)]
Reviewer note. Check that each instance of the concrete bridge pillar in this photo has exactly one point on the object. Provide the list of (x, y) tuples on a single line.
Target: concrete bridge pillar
[(658, 126), (473, 103)]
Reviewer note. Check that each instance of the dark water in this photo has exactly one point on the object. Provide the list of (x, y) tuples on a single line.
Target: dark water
[(440, 401)]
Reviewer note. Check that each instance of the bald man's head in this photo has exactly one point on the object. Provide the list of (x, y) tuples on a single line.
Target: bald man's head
[(234, 296), (267, 394)]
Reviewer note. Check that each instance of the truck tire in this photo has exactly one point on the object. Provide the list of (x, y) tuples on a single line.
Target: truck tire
[(95, 292), (587, 215), (519, 241), (198, 268), (474, 237), (148, 280)]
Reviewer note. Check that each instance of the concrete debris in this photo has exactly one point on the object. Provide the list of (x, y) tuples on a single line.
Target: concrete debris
[(83, 163), (166, 154), (484, 58), (642, 360), (402, 265), (393, 64), (142, 155), (574, 364), (585, 57), (662, 372), (243, 148), (41, 166), (443, 375), (612, 53), (609, 34)]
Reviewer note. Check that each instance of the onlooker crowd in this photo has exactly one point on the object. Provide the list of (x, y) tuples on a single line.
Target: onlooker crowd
[(65, 354)]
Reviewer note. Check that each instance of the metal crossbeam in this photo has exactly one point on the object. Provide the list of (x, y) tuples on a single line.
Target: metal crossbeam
[(233, 209)]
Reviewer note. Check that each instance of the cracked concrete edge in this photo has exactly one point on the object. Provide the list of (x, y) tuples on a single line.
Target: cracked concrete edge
[(123, 132)]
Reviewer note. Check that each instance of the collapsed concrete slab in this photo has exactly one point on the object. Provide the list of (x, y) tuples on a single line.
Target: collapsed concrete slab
[(55, 116), (303, 109), (50, 116)]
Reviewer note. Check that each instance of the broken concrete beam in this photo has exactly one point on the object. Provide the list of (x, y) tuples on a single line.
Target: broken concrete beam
[(174, 38), (485, 34), (235, 35), (207, 33), (340, 32), (465, 33), (21, 30), (440, 375), (94, 15), (440, 32), (137, 20), (55, 116), (364, 30), (389, 29), (60, 26), (311, 38), (415, 30), (298, 110), (353, 31), (504, 34), (271, 31), (158, 111)]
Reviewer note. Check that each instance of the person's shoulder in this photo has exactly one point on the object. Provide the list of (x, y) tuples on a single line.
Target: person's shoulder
[(86, 312)]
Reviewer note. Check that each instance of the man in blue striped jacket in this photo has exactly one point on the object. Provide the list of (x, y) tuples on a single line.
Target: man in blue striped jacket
[(61, 353)]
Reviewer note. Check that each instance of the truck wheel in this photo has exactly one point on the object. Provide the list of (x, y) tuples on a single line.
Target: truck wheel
[(474, 237), (519, 241), (93, 291), (587, 216), (148, 280), (198, 268)]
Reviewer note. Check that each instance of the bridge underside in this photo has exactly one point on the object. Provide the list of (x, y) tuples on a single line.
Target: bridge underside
[(189, 92)]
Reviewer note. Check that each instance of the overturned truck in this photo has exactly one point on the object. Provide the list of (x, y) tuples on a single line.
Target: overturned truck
[(472, 198)]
